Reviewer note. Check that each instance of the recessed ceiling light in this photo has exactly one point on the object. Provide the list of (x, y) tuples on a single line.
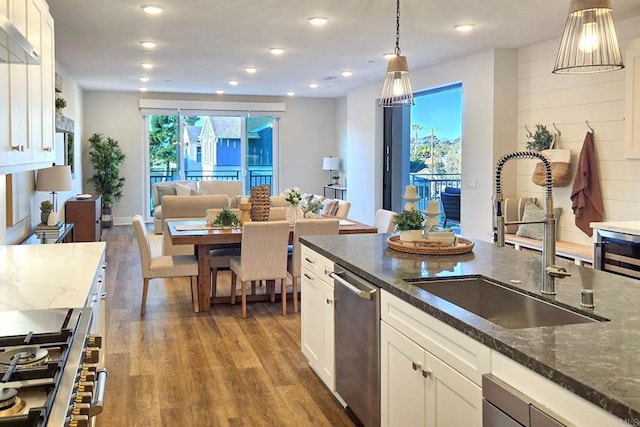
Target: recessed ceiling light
[(251, 70), (146, 65), (318, 20), (148, 44), (233, 82), (464, 28), (313, 85), (290, 93), (151, 9), (219, 91), (276, 51), (142, 89), (144, 79), (388, 55), (346, 73)]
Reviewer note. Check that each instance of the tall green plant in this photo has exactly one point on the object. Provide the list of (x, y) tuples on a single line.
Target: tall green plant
[(106, 157)]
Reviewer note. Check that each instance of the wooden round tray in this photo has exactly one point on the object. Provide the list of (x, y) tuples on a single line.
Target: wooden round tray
[(430, 246)]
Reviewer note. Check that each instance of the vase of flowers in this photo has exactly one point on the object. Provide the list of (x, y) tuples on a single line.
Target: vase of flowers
[(311, 208), (294, 212)]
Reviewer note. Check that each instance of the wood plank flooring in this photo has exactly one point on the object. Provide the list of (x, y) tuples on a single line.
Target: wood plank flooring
[(174, 367)]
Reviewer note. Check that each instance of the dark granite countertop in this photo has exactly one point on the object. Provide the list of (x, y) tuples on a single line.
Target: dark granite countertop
[(597, 361)]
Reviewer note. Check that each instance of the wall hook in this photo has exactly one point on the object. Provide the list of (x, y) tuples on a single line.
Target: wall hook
[(557, 130), (590, 128), (529, 134)]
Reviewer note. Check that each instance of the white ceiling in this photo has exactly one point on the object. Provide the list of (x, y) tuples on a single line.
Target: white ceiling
[(202, 44)]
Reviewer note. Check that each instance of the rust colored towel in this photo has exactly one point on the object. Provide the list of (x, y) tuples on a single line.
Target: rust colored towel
[(585, 195)]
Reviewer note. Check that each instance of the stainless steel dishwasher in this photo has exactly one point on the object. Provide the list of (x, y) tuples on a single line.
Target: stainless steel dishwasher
[(504, 406), (357, 344)]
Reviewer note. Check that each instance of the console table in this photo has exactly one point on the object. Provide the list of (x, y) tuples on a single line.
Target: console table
[(65, 235), (338, 192)]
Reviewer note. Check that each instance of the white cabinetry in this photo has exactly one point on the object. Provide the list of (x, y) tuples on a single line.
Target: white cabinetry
[(430, 373), (317, 334), (26, 111)]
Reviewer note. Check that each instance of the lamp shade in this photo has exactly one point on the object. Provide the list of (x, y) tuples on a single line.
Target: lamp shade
[(589, 43), (330, 163), (54, 178), (396, 91)]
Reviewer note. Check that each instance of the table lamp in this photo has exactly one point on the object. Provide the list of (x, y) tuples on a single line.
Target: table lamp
[(54, 179), (330, 164)]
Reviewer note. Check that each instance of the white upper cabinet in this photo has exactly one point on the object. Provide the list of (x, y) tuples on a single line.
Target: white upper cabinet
[(27, 113)]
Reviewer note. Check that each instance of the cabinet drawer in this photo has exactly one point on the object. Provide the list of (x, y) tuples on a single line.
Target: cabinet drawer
[(316, 263), (464, 354)]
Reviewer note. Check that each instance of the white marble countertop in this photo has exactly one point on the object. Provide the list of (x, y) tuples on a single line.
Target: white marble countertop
[(629, 227), (47, 276)]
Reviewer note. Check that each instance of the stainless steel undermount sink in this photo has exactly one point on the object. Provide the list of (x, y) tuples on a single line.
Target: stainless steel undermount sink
[(501, 305)]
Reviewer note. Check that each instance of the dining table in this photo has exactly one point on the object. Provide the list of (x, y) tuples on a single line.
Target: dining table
[(205, 237)]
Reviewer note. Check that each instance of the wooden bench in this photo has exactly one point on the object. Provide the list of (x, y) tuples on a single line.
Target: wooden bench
[(580, 254)]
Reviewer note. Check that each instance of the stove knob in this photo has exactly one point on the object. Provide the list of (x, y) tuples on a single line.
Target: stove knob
[(84, 397), (86, 376), (88, 368), (94, 341), (91, 355), (78, 421), (85, 387), (81, 409)]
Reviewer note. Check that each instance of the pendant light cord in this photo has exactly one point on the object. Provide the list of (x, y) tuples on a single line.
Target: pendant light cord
[(397, 50)]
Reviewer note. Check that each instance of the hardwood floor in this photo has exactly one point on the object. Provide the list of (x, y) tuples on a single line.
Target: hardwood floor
[(175, 367)]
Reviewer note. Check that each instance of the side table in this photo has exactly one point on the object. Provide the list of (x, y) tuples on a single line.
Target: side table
[(338, 192), (65, 235)]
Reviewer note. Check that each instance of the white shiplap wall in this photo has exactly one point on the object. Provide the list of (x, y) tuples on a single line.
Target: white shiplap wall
[(569, 101)]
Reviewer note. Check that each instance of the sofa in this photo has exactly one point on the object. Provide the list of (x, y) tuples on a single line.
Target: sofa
[(190, 188)]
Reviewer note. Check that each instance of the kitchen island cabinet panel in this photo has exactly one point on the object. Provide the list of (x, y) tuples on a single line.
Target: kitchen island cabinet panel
[(86, 215), (463, 353), (317, 321), (418, 388)]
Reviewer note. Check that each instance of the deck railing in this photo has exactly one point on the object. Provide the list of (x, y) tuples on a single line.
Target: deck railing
[(429, 186)]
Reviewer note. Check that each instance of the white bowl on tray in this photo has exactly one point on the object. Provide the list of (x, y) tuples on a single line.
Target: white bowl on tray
[(446, 238)]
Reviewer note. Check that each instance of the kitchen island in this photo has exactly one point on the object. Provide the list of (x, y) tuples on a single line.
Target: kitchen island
[(48, 276), (595, 361)]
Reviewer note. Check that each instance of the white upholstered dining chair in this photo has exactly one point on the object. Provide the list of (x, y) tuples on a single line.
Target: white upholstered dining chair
[(305, 227), (220, 255), (383, 221), (162, 266), (263, 256)]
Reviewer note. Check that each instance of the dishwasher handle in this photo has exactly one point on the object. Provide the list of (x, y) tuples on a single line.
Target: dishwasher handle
[(364, 294)]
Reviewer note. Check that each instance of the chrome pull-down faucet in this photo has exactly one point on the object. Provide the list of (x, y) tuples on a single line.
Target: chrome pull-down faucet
[(549, 270)]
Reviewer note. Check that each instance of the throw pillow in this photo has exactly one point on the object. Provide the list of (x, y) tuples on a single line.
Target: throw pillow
[(182, 190), (533, 212), (193, 192), (331, 208), (164, 190)]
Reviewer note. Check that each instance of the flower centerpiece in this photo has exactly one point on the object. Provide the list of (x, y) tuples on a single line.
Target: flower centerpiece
[(294, 212), (311, 208)]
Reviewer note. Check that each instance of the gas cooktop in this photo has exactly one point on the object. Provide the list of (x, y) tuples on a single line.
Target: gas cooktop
[(46, 372)]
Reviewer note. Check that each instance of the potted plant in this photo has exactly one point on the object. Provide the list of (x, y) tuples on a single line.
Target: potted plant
[(60, 104), (409, 223), (106, 157), (46, 207), (541, 139), (226, 218), (336, 179)]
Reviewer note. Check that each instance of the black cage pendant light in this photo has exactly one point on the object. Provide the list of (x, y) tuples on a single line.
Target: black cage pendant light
[(589, 43), (396, 91)]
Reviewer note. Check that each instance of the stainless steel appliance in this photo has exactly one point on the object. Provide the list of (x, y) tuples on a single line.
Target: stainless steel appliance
[(617, 252), (49, 368), (504, 406), (357, 344)]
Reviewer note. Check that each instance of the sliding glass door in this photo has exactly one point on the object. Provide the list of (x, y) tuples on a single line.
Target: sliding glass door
[(211, 147)]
